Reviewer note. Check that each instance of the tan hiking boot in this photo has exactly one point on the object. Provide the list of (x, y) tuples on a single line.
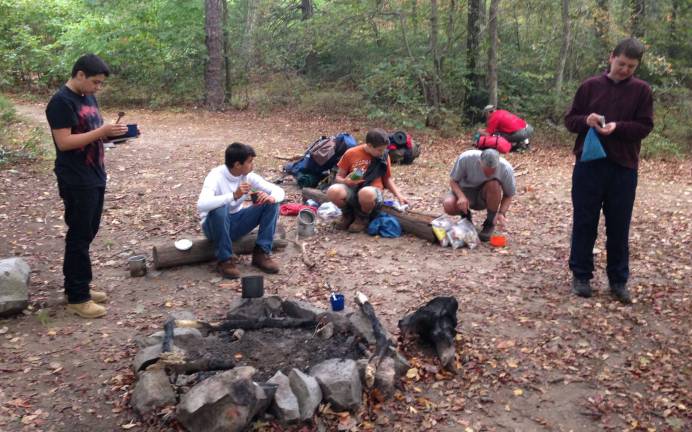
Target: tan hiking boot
[(358, 225), (96, 296), (264, 261), (345, 222), (87, 309), (228, 269)]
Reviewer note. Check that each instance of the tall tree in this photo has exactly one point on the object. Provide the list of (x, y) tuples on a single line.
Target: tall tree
[(492, 51), (638, 17), (473, 35), (601, 18), (308, 9), (564, 49), (214, 73)]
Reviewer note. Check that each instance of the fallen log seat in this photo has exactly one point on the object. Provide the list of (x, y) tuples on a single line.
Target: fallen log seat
[(165, 255), (414, 223)]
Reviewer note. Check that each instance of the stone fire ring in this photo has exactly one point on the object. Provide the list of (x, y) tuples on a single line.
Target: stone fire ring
[(229, 400)]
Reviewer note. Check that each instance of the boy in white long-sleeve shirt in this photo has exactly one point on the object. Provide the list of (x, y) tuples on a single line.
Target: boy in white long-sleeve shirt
[(225, 218)]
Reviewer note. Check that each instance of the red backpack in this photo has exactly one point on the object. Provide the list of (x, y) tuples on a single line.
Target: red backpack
[(495, 142)]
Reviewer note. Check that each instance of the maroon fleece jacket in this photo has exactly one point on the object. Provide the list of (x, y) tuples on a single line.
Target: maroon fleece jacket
[(628, 103)]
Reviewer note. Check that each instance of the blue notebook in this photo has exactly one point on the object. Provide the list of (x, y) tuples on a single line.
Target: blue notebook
[(593, 149)]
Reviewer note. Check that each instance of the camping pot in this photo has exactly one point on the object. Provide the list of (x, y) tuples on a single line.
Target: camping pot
[(252, 286), (306, 223), (137, 265)]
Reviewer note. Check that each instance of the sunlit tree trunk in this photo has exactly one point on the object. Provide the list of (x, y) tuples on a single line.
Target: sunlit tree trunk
[(564, 50), (492, 52), (214, 74)]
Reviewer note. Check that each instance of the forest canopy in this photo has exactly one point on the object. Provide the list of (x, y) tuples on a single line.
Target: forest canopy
[(411, 62)]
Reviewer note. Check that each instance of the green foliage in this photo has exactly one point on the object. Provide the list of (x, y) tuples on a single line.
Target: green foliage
[(377, 58)]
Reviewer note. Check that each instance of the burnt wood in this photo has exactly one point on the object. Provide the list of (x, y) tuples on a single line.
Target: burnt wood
[(415, 223)]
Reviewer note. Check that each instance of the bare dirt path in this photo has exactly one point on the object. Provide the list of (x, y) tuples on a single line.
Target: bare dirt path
[(531, 356)]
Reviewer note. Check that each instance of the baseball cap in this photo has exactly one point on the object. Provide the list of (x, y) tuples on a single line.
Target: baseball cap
[(490, 158), (489, 108)]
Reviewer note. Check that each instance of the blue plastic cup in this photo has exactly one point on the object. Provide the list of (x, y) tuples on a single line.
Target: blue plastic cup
[(132, 131), (337, 301)]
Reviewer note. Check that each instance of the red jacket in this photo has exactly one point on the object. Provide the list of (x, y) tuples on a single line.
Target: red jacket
[(504, 122)]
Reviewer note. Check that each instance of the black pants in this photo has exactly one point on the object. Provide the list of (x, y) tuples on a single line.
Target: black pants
[(602, 184), (83, 208)]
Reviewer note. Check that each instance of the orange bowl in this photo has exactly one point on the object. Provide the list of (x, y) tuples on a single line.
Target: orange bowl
[(498, 240)]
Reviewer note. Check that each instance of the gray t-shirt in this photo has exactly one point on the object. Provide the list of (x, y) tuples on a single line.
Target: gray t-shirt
[(467, 172)]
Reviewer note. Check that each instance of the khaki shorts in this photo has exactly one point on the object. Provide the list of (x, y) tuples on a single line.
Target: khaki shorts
[(475, 197), (352, 199)]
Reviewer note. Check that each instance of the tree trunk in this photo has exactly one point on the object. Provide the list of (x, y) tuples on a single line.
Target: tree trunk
[(308, 9), (227, 53), (214, 74), (472, 55), (434, 87), (492, 52), (601, 17), (564, 49), (638, 16)]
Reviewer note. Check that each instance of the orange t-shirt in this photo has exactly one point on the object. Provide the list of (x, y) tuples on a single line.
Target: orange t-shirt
[(357, 157)]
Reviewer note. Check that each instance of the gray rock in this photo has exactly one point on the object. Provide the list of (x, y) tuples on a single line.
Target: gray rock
[(362, 364), (153, 391), (265, 395), (339, 320), (385, 376), (307, 391), (146, 356), (225, 402), (285, 405), (300, 309), (181, 336), (362, 327), (182, 315), (326, 331), (340, 383), (14, 286)]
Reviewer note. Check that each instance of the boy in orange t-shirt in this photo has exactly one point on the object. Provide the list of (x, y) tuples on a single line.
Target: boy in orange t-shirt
[(358, 188)]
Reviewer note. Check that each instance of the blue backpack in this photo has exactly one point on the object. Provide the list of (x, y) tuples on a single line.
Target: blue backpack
[(320, 156)]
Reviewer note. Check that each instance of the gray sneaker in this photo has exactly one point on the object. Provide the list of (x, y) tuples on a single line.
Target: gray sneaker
[(582, 288), (619, 291)]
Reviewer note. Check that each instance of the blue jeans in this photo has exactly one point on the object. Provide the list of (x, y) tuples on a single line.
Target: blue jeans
[(602, 184), (222, 227)]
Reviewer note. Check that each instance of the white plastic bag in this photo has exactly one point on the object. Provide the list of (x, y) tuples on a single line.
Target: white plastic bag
[(328, 211), (440, 226), (463, 233)]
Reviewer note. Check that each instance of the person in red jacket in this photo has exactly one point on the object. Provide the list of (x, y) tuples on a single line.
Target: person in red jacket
[(514, 129), (619, 107)]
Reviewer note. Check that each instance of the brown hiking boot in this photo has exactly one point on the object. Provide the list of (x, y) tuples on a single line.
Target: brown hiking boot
[(264, 261), (88, 309), (345, 222), (228, 269), (358, 225)]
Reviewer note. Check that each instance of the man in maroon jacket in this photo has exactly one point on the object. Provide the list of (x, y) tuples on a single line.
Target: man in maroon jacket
[(610, 183)]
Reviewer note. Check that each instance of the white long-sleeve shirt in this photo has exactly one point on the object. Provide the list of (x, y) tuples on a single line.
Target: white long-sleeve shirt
[(220, 185)]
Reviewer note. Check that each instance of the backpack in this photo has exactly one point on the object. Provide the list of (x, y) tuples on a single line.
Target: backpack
[(319, 158), (402, 148), (495, 142)]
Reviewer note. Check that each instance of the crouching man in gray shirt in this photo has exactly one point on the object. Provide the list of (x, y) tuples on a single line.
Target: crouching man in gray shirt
[(481, 180)]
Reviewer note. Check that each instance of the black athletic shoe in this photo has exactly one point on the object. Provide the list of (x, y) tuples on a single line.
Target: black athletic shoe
[(582, 288), (486, 232), (620, 292)]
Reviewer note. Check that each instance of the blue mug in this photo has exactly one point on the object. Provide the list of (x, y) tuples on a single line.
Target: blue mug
[(337, 301), (132, 131)]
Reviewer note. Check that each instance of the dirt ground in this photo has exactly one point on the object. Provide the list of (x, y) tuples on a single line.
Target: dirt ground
[(531, 356)]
